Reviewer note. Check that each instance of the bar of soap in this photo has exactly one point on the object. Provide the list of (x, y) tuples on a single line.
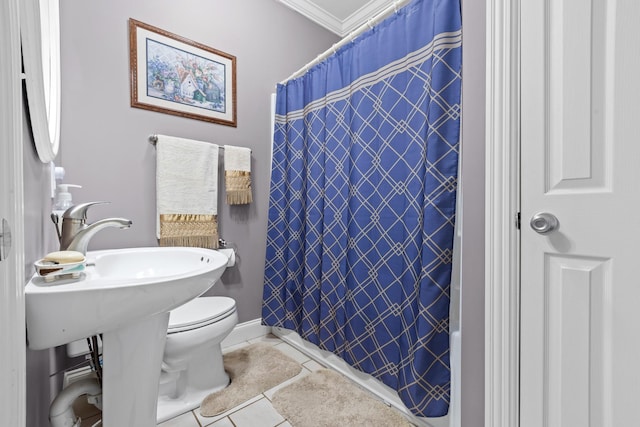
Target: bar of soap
[(64, 257)]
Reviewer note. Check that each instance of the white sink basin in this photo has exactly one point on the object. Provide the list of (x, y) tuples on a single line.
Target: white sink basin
[(117, 287), (125, 295)]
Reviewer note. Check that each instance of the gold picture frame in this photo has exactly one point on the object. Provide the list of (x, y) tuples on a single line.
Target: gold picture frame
[(174, 75)]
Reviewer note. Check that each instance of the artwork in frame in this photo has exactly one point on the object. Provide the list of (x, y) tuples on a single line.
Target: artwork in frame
[(174, 75)]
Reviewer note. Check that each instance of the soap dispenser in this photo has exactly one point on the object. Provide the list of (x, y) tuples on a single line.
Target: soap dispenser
[(62, 203)]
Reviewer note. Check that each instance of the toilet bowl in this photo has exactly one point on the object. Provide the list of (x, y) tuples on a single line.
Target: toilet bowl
[(192, 365)]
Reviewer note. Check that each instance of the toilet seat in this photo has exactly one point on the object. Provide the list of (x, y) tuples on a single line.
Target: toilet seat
[(200, 312)]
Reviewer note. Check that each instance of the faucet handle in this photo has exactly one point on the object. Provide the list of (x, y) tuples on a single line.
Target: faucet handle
[(79, 211)]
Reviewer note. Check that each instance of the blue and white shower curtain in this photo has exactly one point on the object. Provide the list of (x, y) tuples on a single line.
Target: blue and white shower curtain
[(362, 202)]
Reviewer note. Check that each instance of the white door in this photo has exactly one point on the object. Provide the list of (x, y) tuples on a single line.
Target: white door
[(12, 326), (580, 162)]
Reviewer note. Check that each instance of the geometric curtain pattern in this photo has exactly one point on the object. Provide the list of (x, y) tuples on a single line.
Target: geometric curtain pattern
[(362, 202)]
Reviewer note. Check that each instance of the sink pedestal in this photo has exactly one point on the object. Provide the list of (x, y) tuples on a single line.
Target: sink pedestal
[(120, 295), (132, 358)]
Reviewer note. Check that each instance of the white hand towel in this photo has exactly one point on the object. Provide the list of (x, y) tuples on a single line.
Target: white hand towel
[(237, 175), (187, 192)]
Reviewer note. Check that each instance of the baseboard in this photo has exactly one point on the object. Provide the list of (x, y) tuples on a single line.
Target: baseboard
[(366, 381), (246, 331)]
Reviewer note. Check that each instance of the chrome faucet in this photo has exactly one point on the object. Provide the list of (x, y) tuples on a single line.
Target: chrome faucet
[(76, 233)]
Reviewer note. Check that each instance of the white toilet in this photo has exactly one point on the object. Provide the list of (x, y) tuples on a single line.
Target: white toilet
[(192, 365)]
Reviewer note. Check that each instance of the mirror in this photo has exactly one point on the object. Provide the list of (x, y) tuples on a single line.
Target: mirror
[(40, 34)]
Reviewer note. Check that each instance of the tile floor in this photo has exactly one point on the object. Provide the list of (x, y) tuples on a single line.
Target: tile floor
[(256, 412)]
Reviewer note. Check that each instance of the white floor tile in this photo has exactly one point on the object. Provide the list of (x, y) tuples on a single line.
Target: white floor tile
[(312, 365), (225, 422), (235, 347), (267, 339), (296, 355), (184, 420), (259, 414), (207, 421)]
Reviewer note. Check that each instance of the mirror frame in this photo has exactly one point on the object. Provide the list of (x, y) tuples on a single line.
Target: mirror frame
[(40, 33)]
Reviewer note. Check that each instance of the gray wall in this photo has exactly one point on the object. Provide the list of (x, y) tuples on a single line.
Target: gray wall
[(104, 140)]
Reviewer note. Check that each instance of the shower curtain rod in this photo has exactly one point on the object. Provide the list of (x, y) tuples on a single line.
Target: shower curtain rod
[(352, 35)]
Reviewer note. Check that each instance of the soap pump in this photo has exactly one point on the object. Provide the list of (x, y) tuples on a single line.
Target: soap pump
[(62, 203)]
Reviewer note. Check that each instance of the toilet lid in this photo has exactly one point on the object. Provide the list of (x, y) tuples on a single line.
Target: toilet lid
[(200, 312)]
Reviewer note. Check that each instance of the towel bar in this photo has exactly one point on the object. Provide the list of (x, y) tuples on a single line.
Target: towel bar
[(153, 139)]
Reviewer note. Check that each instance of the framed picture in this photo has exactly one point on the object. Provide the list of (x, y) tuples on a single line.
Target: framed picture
[(174, 75)]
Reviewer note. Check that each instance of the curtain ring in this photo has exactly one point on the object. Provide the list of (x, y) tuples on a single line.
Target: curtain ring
[(395, 7), (369, 23)]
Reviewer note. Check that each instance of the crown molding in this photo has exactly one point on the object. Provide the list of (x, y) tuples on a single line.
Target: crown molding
[(329, 21), (360, 16), (316, 14)]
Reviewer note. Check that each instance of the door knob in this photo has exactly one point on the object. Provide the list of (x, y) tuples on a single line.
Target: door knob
[(544, 223)]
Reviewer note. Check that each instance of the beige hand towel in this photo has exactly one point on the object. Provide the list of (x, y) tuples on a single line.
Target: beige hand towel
[(187, 192), (237, 175)]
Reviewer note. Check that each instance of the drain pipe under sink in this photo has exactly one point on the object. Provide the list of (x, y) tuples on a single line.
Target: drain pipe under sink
[(61, 411)]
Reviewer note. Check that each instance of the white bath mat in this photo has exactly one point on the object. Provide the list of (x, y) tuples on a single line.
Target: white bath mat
[(327, 399), (253, 370)]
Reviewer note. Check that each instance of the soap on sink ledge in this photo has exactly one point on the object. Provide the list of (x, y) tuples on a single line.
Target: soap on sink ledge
[(60, 265)]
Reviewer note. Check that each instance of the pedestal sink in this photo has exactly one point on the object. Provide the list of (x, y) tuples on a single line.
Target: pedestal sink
[(125, 295)]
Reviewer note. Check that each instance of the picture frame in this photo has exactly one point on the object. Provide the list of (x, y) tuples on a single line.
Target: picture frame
[(174, 75)]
